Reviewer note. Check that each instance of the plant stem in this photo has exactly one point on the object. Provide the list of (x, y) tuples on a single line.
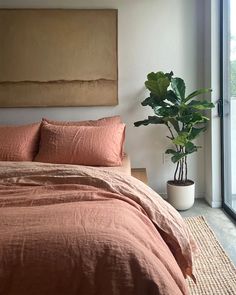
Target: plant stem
[(186, 168), (172, 135), (179, 171), (171, 132), (180, 168), (176, 170)]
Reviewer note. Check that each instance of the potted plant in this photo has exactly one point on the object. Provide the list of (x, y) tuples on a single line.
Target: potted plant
[(185, 119)]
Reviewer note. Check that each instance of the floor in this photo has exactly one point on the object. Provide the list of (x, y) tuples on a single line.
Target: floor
[(223, 226)]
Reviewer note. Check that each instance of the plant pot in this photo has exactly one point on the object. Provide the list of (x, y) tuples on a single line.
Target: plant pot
[(181, 196)]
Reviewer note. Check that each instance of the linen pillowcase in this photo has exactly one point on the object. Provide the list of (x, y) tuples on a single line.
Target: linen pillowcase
[(19, 143), (82, 145), (100, 122)]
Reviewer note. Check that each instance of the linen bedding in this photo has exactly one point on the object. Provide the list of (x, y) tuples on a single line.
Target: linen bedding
[(67, 229)]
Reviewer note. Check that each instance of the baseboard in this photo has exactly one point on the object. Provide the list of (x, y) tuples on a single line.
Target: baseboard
[(214, 204)]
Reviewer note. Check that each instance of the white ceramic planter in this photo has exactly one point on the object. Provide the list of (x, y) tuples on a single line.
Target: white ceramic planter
[(179, 196)]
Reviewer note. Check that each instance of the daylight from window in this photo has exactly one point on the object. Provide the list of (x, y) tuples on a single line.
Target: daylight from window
[(233, 95), (233, 46)]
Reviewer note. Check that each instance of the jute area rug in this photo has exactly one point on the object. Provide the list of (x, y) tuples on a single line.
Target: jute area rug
[(214, 271)]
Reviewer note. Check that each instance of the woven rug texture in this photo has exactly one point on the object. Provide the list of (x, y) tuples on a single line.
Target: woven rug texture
[(213, 269)]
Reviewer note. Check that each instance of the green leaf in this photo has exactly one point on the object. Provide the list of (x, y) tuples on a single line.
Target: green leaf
[(170, 151), (177, 157), (195, 132), (169, 75), (181, 139), (197, 92), (154, 102), (150, 120), (205, 119), (152, 76), (171, 96), (158, 75), (158, 87), (190, 148), (167, 111), (201, 104), (149, 101), (193, 119), (178, 87)]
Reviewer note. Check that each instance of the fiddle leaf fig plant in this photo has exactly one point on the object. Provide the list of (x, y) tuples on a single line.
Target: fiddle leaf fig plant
[(183, 115)]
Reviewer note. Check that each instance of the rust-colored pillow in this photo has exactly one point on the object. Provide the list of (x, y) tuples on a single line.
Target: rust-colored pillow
[(82, 145), (19, 143), (100, 122)]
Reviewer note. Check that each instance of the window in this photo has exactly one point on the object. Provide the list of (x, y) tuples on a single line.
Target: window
[(229, 103)]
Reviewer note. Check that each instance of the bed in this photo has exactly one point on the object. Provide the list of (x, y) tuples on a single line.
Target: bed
[(71, 229)]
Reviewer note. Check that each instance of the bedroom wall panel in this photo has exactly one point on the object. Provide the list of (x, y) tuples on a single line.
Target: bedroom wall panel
[(152, 35)]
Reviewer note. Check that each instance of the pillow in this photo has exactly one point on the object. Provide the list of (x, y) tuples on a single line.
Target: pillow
[(82, 145), (100, 122), (19, 143)]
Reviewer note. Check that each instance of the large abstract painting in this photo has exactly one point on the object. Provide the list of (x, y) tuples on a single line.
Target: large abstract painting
[(58, 57)]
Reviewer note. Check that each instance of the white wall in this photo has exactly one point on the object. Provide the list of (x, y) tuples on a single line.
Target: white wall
[(153, 35)]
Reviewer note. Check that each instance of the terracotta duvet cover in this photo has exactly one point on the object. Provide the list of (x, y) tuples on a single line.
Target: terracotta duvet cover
[(69, 230)]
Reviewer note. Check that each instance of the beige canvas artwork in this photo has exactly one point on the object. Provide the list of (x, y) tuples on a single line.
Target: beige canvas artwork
[(58, 57)]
